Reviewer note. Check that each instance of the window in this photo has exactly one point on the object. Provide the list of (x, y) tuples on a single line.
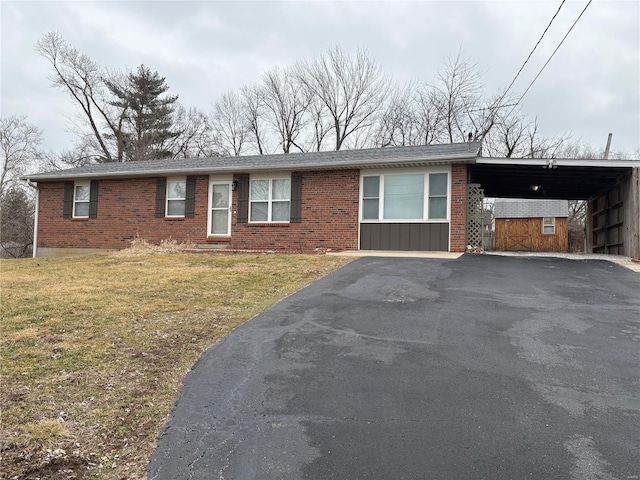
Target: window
[(270, 200), (404, 197), (80, 199), (370, 197), (81, 196), (438, 196), (548, 225), (176, 196), (412, 196)]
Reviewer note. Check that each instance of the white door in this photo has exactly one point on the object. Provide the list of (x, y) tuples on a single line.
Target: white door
[(220, 214)]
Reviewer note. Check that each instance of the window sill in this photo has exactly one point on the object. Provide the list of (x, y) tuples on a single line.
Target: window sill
[(218, 238), (80, 219), (267, 224), (405, 221), (174, 218)]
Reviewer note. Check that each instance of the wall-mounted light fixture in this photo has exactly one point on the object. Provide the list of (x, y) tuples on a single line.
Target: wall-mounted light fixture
[(534, 188), (234, 185)]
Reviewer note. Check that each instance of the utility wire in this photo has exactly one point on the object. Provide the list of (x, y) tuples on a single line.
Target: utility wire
[(497, 102), (554, 52), (491, 107)]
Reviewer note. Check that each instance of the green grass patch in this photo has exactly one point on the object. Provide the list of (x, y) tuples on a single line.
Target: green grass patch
[(94, 349)]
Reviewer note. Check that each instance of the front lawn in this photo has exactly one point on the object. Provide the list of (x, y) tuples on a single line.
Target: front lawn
[(94, 349)]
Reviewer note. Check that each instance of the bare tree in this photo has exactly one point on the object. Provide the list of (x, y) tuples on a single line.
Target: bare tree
[(397, 125), (538, 146), (83, 80), (16, 222), (81, 154), (196, 134), (456, 92), (509, 138), (517, 136), (352, 90), (287, 102), (427, 116), (320, 125), (254, 112), (20, 143), (229, 124), (463, 111)]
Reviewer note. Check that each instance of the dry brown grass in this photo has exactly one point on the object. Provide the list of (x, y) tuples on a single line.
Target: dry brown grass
[(94, 349), (140, 247)]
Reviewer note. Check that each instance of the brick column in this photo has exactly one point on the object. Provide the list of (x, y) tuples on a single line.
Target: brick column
[(458, 207)]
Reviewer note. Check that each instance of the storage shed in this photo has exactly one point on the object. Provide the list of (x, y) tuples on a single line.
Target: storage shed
[(531, 225)]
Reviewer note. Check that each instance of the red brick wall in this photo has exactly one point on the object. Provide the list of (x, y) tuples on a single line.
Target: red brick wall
[(126, 209), (330, 203), (458, 207)]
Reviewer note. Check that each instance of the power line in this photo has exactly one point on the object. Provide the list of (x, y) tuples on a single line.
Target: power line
[(531, 53), (494, 106), (554, 52)]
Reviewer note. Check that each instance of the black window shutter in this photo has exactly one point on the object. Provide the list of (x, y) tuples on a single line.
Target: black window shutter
[(190, 197), (67, 205), (296, 198), (243, 198), (161, 192), (93, 199)]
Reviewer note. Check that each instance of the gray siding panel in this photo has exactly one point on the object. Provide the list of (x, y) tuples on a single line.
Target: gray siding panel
[(404, 236)]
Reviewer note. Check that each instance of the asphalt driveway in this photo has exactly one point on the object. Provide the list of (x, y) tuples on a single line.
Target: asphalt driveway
[(483, 367)]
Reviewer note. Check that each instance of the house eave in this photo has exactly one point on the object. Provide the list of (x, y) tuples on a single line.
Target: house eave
[(239, 168)]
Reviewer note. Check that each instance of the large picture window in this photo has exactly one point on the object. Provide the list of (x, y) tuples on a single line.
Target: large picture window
[(270, 200), (403, 197), (415, 196)]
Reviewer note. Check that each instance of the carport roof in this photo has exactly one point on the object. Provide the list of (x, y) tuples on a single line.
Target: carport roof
[(558, 178)]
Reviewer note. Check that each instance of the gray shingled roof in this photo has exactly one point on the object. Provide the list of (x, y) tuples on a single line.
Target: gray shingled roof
[(344, 159), (522, 208)]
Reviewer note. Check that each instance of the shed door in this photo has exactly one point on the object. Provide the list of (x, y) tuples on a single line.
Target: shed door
[(519, 234)]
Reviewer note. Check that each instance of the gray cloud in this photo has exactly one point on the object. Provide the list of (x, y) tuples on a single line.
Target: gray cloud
[(590, 88)]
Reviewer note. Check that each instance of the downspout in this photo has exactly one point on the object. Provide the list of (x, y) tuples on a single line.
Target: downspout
[(35, 222)]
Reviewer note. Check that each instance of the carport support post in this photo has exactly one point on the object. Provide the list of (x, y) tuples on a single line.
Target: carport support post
[(634, 209)]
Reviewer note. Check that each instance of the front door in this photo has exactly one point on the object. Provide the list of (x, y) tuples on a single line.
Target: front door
[(220, 214)]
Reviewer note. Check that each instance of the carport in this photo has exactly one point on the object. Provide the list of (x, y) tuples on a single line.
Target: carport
[(611, 188)]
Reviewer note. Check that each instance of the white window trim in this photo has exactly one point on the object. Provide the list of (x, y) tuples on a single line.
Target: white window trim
[(166, 195), (284, 176), (425, 212), (552, 224), (219, 180), (76, 184)]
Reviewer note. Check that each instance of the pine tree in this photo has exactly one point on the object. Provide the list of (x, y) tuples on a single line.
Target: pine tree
[(148, 123)]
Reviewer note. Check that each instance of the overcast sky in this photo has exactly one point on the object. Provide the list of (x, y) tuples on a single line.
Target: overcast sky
[(590, 88)]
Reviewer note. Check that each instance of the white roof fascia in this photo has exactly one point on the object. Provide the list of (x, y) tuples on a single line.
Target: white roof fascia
[(276, 167), (559, 162)]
